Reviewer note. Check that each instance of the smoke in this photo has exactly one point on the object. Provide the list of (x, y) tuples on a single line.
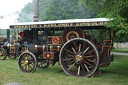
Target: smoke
[(25, 17), (6, 20), (27, 13)]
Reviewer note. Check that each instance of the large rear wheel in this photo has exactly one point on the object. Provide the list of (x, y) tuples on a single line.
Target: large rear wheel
[(27, 62), (79, 57)]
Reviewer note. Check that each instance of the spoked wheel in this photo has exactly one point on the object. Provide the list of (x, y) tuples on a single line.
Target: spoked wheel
[(79, 57), (3, 54), (27, 62), (42, 63), (12, 56)]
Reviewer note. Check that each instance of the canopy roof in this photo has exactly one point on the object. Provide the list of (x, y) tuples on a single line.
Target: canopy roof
[(62, 23)]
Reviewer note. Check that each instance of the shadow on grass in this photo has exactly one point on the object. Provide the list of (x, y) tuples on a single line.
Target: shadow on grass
[(51, 70), (114, 70)]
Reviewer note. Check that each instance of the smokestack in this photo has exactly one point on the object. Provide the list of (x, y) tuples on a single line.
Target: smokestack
[(8, 35), (36, 11)]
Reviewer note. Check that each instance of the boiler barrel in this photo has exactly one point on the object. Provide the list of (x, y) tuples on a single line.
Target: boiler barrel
[(46, 48)]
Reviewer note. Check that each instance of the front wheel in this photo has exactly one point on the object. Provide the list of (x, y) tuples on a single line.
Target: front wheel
[(27, 62), (79, 57), (12, 56), (42, 63), (3, 54)]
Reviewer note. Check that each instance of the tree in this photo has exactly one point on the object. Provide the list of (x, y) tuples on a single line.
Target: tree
[(65, 9), (56, 10), (117, 10)]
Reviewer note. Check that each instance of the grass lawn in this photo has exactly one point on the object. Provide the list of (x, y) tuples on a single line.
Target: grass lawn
[(123, 50), (115, 74)]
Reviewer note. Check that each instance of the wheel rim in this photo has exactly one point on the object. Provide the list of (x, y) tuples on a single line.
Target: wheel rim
[(3, 54), (79, 57), (27, 62)]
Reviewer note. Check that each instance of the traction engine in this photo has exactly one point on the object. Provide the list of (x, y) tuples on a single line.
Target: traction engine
[(77, 53)]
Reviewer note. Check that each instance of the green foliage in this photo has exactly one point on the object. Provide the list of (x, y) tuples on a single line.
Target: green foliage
[(56, 10), (2, 31), (98, 35), (117, 10), (65, 9)]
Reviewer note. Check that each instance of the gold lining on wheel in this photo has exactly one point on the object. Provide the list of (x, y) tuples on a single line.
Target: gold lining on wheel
[(72, 32)]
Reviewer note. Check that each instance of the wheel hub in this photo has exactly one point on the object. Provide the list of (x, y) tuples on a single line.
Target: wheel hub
[(79, 57), (26, 62)]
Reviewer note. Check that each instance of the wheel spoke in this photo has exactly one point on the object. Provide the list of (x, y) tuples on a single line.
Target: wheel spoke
[(22, 62), (67, 59), (86, 50), (29, 66), (22, 59), (32, 64), (82, 67), (90, 60), (75, 46), (87, 63), (70, 62), (89, 52), (91, 56), (75, 68), (31, 61), (73, 50), (25, 67), (78, 73), (79, 47), (69, 55), (83, 46), (86, 67), (69, 51), (71, 66), (29, 58)]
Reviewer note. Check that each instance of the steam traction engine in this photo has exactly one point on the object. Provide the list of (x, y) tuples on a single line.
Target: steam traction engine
[(8, 48), (78, 45)]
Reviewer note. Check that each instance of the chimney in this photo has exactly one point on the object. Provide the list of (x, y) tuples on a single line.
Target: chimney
[(8, 35), (36, 11)]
